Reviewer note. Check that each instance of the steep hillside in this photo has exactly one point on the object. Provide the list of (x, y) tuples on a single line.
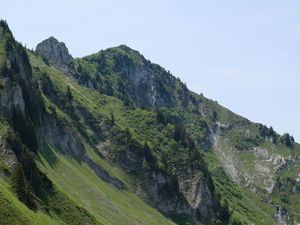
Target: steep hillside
[(112, 138), (46, 163), (252, 155)]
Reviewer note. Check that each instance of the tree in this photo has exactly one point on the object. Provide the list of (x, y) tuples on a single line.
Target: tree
[(79, 68), (21, 188), (292, 139), (108, 89), (160, 117), (18, 183), (84, 77), (150, 159), (127, 136), (215, 116), (121, 87), (102, 62), (225, 214), (287, 139), (69, 94), (190, 142), (112, 118), (4, 70), (179, 133), (98, 78), (25, 129)]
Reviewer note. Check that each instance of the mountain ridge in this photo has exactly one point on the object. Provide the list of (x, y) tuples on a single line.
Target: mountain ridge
[(116, 116)]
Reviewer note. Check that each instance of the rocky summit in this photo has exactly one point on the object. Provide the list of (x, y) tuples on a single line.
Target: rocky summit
[(112, 138), (56, 53)]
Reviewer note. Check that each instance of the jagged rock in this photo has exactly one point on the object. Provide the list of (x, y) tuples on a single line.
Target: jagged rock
[(281, 215), (56, 53), (198, 195), (7, 155), (11, 96), (183, 193)]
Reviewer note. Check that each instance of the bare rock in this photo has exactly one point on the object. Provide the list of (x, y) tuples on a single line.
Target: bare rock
[(56, 53)]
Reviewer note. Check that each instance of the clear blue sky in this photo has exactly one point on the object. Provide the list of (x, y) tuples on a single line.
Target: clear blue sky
[(244, 54)]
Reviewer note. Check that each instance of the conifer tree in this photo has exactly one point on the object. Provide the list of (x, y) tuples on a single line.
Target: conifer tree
[(69, 94), (18, 183), (21, 188)]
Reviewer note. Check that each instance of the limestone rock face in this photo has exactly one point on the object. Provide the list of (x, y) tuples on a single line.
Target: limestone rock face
[(56, 53), (185, 192), (17, 69), (68, 142)]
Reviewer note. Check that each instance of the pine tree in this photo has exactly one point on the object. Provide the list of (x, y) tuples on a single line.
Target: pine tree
[(18, 183), (4, 70), (226, 213), (21, 188), (69, 94), (79, 68), (160, 117), (112, 118), (179, 133), (25, 129), (148, 154), (286, 139)]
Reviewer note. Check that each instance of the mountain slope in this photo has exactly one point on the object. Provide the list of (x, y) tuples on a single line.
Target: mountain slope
[(115, 139), (51, 198), (252, 154)]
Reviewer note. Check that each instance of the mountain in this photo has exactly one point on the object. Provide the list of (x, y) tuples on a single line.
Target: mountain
[(113, 138)]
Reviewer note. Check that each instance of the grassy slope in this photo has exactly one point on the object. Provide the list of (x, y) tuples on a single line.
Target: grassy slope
[(12, 211), (107, 204), (286, 197), (254, 206), (245, 206)]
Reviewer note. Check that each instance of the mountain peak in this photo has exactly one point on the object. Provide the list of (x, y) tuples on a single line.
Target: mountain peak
[(56, 53), (125, 48)]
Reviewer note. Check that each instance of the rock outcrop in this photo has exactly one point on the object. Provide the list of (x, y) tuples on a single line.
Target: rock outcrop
[(281, 215), (186, 192), (15, 75), (56, 53)]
